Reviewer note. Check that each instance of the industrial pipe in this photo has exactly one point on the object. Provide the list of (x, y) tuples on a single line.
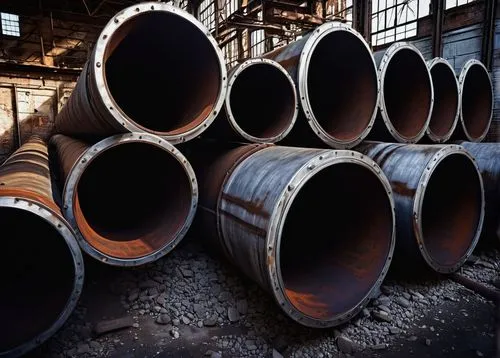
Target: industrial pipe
[(145, 75), (487, 157), (476, 98), (444, 115), (261, 202), (41, 270), (406, 94), (130, 197), (439, 199), (337, 84), (261, 103)]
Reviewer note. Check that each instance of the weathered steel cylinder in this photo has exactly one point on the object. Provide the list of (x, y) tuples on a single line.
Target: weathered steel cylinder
[(260, 203), (261, 103), (487, 157), (439, 199), (41, 270), (406, 94), (337, 85), (145, 75), (446, 106), (476, 102), (131, 197)]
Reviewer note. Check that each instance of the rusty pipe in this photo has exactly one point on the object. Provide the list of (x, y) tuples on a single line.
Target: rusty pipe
[(261, 103), (259, 204), (439, 199), (140, 47), (476, 102), (487, 157), (406, 94), (41, 270), (445, 110), (336, 56), (131, 197)]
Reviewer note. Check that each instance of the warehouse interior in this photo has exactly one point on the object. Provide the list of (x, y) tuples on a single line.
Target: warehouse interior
[(250, 178)]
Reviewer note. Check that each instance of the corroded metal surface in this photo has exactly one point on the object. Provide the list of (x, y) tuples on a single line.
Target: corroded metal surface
[(43, 253), (114, 93), (127, 212), (487, 157), (439, 218), (333, 53), (256, 203)]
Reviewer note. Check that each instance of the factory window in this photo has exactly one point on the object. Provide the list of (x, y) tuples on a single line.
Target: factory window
[(206, 14), (455, 3), (10, 24), (340, 9), (257, 43), (230, 51), (394, 20)]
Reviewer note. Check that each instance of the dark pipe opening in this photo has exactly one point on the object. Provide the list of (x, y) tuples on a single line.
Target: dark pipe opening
[(156, 79), (407, 92), (476, 101), (445, 106), (331, 256), (451, 209), (342, 85), (37, 275), (132, 200), (272, 113)]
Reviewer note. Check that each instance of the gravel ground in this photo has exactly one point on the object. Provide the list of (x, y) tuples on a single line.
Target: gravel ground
[(190, 294)]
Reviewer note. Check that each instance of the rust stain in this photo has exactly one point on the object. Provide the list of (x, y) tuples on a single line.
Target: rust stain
[(255, 208), (308, 304), (249, 227), (402, 189)]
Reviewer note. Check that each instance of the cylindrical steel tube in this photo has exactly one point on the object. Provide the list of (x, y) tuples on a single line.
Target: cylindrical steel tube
[(337, 85), (131, 197), (446, 106), (487, 157), (142, 77), (261, 103), (261, 204), (439, 199), (406, 94), (41, 270), (476, 102)]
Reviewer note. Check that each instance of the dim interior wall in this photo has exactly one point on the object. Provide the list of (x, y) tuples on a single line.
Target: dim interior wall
[(494, 134), (28, 106)]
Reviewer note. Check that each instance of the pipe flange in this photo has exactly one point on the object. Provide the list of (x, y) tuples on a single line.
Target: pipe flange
[(66, 232), (273, 240), (432, 136), (233, 76), (461, 82), (98, 67), (444, 152), (305, 59), (69, 194), (384, 63)]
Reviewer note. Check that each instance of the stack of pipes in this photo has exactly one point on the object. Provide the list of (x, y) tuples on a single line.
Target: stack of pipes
[(316, 220)]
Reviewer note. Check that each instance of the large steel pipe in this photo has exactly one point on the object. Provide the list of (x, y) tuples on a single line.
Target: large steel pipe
[(446, 106), (262, 205), (131, 197), (145, 75), (439, 199), (487, 157), (261, 103), (337, 84), (476, 99), (41, 270), (406, 94)]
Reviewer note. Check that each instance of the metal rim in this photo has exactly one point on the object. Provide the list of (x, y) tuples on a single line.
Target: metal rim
[(68, 235), (69, 194), (233, 75), (273, 240), (384, 64), (434, 137), (98, 67), (305, 59), (461, 81), (444, 152)]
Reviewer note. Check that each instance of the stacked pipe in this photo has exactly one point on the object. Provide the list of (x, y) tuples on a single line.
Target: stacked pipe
[(41, 270)]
